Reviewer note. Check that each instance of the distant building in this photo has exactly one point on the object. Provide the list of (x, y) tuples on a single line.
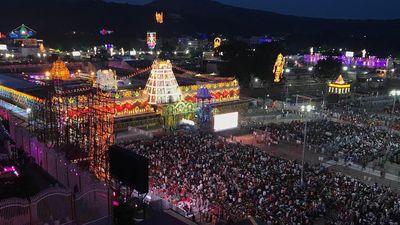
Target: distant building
[(21, 44), (367, 62), (188, 43), (258, 40)]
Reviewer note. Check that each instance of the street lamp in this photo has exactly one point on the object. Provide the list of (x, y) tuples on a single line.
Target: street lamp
[(266, 96), (394, 93), (287, 90), (304, 108)]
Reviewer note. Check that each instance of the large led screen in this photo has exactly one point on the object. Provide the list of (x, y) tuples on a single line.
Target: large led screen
[(226, 121)]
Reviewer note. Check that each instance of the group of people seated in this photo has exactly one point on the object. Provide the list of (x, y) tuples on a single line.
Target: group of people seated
[(225, 182), (357, 143)]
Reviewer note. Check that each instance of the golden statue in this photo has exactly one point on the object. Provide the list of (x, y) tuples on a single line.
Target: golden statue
[(159, 17), (217, 42), (278, 68), (59, 71)]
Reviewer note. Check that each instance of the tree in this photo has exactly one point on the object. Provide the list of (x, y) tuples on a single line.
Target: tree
[(328, 68), (238, 60), (244, 60), (264, 59)]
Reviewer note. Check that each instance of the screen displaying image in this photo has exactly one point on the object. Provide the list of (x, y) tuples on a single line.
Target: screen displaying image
[(226, 121)]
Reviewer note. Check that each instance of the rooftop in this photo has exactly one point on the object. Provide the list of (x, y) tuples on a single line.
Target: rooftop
[(182, 79), (18, 83)]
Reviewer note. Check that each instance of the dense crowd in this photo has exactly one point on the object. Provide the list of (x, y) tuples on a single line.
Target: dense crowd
[(358, 143), (227, 182), (393, 110), (371, 119)]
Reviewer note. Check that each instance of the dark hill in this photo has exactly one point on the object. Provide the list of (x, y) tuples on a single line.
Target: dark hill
[(55, 21)]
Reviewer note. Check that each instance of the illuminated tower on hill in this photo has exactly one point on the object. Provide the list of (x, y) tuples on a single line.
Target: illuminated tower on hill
[(162, 86), (59, 71)]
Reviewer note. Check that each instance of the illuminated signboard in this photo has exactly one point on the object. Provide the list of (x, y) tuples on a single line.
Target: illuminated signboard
[(349, 54), (151, 40)]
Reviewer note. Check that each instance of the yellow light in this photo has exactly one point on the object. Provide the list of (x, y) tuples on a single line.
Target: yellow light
[(339, 85), (20, 94)]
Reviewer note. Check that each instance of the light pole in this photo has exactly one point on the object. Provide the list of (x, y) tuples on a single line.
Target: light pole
[(266, 96), (265, 106), (287, 91), (265, 99), (304, 108), (394, 93)]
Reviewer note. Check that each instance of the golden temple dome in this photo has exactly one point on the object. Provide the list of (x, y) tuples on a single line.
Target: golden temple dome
[(59, 71)]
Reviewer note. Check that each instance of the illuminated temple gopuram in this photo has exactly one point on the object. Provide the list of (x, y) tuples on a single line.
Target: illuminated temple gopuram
[(65, 109), (166, 99), (160, 99)]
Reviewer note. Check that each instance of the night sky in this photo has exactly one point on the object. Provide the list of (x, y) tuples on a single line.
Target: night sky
[(351, 9)]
